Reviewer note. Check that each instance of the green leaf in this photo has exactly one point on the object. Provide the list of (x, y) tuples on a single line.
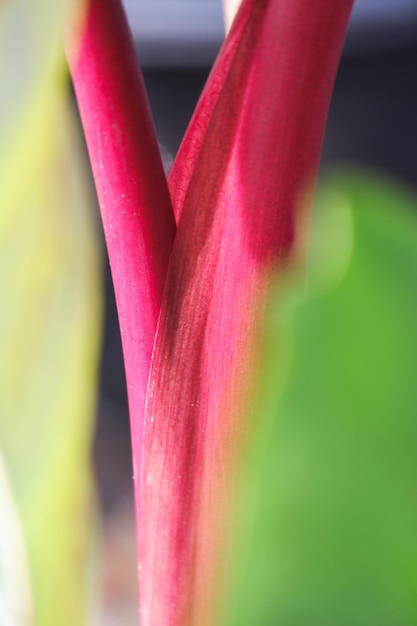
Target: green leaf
[(50, 312), (328, 513), (30, 49)]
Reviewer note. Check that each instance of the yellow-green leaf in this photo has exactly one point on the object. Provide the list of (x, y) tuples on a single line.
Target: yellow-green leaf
[(50, 311)]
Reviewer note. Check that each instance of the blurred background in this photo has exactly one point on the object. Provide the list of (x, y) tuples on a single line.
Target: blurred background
[(371, 121)]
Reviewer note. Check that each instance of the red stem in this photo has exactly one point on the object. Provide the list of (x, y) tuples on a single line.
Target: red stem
[(253, 144), (130, 182), (252, 150)]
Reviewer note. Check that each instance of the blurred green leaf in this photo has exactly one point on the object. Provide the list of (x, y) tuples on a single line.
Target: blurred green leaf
[(50, 312), (328, 512), (30, 47)]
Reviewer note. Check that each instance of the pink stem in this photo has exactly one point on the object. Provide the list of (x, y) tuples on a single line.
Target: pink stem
[(250, 155), (131, 186)]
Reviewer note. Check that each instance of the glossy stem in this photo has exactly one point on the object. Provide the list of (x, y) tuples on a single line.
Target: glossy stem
[(242, 176), (130, 182)]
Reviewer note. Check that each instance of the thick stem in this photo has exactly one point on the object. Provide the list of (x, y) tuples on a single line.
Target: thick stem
[(131, 186), (251, 152)]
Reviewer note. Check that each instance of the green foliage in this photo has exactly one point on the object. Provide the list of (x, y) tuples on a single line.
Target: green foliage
[(328, 511), (50, 319)]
